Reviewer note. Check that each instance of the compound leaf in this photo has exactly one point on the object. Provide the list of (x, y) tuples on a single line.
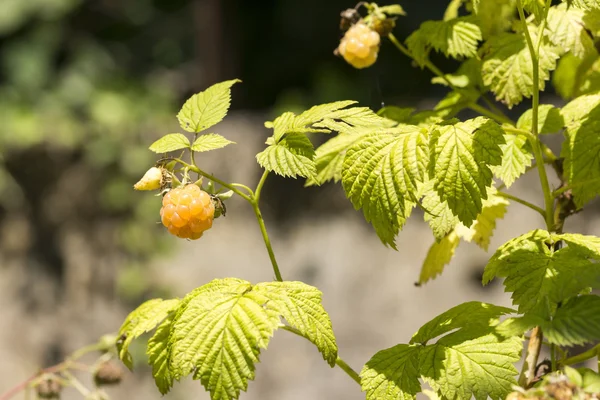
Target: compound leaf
[(439, 255), (220, 328), (143, 319), (170, 142), (508, 69), (535, 272), (210, 141), (576, 322), (460, 163), (467, 317), (329, 158), (381, 173), (218, 333), (567, 30), (300, 305), (392, 374), (292, 156), (462, 367), (207, 108), (458, 37)]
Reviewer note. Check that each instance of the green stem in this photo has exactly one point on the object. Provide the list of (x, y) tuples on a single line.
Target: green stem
[(516, 131), (579, 358), (265, 235), (502, 119), (496, 114), (533, 349), (260, 185), (60, 367), (261, 223), (553, 356), (85, 392), (536, 144), (339, 362), (214, 179), (524, 202)]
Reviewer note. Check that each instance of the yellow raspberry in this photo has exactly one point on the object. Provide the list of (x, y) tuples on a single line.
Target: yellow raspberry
[(187, 212), (360, 46)]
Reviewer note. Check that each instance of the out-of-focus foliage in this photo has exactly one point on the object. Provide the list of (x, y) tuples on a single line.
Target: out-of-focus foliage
[(79, 100)]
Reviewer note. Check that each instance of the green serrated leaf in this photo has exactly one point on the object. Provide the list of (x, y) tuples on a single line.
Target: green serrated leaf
[(207, 108), (550, 119), (219, 329), (439, 255), (516, 158), (536, 273), (493, 209), (329, 158), (507, 67), (300, 305), (462, 367), (157, 352), (210, 141), (465, 316), (381, 173), (170, 142), (392, 374), (577, 111), (460, 164), (288, 122), (575, 323), (581, 148), (293, 156), (218, 336), (143, 319), (585, 4), (439, 216), (355, 120), (457, 38), (568, 31)]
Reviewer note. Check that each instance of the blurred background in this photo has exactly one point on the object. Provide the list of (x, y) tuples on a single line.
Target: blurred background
[(87, 86)]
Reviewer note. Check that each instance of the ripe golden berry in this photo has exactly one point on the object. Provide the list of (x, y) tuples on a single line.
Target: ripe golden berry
[(187, 212), (360, 46)]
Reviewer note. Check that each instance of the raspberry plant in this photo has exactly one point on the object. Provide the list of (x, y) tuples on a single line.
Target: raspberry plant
[(390, 162)]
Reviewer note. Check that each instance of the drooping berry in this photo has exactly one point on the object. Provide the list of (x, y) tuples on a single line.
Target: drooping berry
[(49, 388), (360, 46), (187, 212), (108, 373)]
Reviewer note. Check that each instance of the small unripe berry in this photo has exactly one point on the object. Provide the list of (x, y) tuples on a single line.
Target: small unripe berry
[(49, 388), (360, 46), (108, 373), (152, 180), (187, 212)]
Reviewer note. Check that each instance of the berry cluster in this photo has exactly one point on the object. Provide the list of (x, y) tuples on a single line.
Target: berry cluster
[(187, 212), (360, 46)]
